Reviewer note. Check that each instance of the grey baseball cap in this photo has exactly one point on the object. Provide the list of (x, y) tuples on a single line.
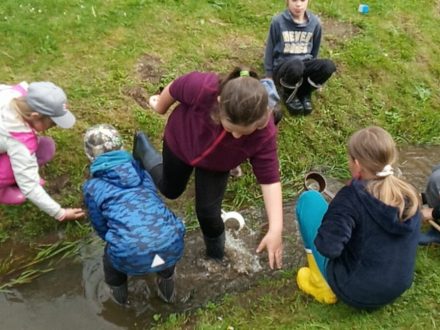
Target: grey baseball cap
[(48, 99)]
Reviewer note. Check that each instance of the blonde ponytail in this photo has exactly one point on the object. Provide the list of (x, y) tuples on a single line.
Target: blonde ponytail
[(375, 150)]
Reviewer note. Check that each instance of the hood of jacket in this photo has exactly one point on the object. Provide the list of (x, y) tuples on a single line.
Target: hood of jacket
[(10, 120), (380, 211), (311, 19), (117, 167)]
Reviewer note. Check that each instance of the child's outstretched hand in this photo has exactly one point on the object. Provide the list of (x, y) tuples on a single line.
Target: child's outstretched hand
[(273, 243), (72, 214)]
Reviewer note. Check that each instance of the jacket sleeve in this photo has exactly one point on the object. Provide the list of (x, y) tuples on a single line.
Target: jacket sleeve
[(265, 164), (98, 221), (317, 35), (270, 44), (25, 168), (337, 226)]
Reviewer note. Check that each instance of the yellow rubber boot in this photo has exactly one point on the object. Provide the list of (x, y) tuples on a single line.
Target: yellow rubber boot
[(311, 281)]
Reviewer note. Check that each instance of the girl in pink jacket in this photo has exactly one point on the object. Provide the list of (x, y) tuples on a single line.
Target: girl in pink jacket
[(24, 111)]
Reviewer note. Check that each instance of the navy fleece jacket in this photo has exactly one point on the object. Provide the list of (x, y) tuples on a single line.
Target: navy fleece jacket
[(371, 253)]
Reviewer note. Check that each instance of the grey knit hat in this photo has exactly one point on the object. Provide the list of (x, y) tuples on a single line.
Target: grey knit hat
[(101, 138)]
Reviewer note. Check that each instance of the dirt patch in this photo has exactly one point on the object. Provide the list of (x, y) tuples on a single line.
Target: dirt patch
[(138, 94), (57, 185), (237, 50), (336, 33), (149, 69), (149, 72)]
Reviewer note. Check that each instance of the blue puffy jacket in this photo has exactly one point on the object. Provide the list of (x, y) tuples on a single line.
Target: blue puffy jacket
[(142, 234)]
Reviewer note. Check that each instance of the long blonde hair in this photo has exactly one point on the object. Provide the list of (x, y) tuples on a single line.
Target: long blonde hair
[(22, 108), (374, 149)]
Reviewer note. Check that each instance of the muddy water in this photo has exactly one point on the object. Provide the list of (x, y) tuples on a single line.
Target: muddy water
[(74, 296)]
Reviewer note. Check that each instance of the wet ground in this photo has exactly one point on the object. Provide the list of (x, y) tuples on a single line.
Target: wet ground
[(74, 296)]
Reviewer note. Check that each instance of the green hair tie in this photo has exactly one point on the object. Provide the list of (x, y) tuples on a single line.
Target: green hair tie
[(244, 73)]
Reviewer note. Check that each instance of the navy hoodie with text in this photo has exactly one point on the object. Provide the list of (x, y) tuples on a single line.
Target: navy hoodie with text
[(371, 252)]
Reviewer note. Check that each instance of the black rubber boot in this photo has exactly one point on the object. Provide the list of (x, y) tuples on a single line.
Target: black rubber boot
[(290, 97), (215, 246), (307, 104), (120, 293), (305, 95), (166, 289), (295, 106), (144, 152)]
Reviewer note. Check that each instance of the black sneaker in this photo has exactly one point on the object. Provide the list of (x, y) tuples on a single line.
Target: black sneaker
[(295, 106), (120, 293), (307, 104), (165, 288)]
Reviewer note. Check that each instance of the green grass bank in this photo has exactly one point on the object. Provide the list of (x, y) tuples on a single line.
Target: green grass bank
[(110, 55)]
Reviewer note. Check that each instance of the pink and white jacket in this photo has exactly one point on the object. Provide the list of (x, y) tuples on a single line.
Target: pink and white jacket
[(18, 143)]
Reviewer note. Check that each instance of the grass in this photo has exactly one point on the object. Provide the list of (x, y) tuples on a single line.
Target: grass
[(388, 74)]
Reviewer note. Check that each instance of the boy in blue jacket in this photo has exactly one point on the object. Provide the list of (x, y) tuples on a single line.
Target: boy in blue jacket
[(141, 233)]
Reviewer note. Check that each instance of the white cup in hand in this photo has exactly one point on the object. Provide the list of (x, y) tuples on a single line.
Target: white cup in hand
[(153, 101)]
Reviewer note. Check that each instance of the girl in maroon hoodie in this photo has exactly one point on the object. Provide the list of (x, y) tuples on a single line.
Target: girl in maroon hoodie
[(216, 125)]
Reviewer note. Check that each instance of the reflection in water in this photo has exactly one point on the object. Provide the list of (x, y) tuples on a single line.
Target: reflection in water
[(416, 163), (75, 295)]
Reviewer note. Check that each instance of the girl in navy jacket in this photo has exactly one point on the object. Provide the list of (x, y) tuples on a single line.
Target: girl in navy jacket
[(361, 248)]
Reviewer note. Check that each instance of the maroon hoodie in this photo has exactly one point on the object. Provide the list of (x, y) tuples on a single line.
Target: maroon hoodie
[(195, 138)]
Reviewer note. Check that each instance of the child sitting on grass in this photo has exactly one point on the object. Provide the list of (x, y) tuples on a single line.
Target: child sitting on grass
[(361, 248), (141, 233), (290, 59)]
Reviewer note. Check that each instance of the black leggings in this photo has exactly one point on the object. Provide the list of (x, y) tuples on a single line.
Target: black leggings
[(114, 277), (172, 176)]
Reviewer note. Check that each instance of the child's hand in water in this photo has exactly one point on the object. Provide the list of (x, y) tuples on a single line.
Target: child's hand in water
[(153, 101), (72, 214), (273, 243)]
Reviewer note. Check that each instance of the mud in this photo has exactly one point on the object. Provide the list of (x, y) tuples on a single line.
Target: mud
[(336, 33), (74, 296)]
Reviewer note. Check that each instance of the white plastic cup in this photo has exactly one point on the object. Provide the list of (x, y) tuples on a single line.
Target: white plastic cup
[(233, 215), (363, 8)]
